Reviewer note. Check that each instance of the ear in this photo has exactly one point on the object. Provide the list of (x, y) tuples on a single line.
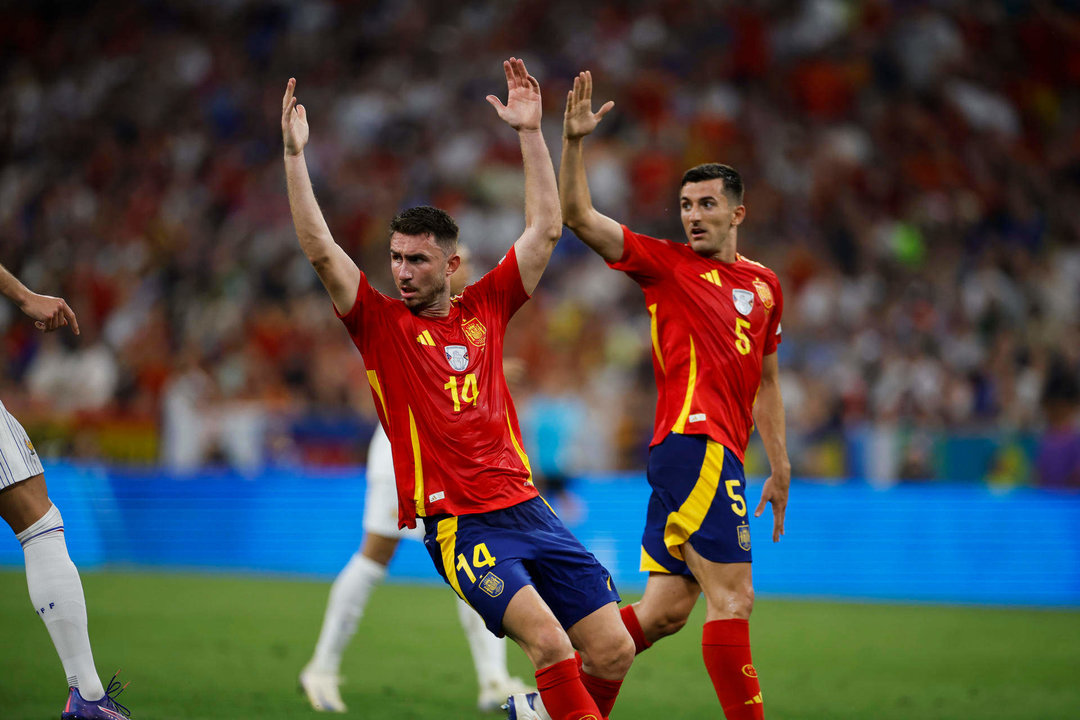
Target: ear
[(452, 264), (738, 215)]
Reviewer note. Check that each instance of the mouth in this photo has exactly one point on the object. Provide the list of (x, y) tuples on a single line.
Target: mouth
[(697, 233)]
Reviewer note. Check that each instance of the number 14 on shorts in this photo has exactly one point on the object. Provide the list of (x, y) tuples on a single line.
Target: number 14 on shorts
[(481, 558)]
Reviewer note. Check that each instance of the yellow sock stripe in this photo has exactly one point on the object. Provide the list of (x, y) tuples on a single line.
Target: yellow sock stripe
[(680, 423), (520, 452), (373, 380), (650, 565), (446, 536), (685, 521), (418, 467), (655, 337)]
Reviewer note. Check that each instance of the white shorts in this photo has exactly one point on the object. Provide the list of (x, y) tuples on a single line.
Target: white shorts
[(381, 501), (18, 458)]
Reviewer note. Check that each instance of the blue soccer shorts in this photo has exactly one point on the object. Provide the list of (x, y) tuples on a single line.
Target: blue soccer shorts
[(698, 497), (486, 558)]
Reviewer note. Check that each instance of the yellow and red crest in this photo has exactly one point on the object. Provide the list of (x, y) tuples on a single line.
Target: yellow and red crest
[(764, 293), (475, 331)]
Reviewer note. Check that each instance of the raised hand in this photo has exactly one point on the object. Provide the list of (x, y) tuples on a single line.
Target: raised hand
[(579, 119), (49, 313), (523, 108), (294, 125)]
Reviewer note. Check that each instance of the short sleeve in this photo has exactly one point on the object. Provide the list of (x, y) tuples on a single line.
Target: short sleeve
[(644, 258), (500, 290), (355, 320), (774, 336)]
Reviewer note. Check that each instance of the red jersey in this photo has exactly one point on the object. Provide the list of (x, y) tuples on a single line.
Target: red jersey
[(441, 396), (712, 323)]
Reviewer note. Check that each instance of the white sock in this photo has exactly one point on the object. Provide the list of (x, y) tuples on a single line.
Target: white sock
[(57, 594), (348, 597), (488, 651)]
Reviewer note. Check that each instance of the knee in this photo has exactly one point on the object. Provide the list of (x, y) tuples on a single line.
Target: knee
[(669, 623), (547, 645), (609, 657), (738, 603)]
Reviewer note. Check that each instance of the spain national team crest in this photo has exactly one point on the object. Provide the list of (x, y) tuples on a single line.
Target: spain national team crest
[(744, 536), (492, 584), (744, 300), (764, 293), (457, 356), (475, 331)]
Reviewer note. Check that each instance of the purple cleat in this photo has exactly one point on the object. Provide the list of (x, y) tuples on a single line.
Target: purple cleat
[(105, 708)]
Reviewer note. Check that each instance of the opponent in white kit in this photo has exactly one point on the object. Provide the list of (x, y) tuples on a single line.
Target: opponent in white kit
[(349, 594), (55, 588)]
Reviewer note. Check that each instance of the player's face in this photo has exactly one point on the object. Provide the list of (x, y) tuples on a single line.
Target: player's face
[(708, 217), (421, 270)]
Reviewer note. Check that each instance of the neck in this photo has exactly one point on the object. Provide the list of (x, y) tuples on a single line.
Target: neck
[(438, 309), (726, 252)]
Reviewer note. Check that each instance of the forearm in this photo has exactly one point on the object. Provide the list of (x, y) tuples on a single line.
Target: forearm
[(311, 228), (542, 211), (574, 195), (769, 419), (12, 288)]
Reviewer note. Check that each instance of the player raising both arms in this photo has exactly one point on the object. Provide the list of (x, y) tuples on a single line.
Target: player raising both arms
[(51, 577), (349, 594), (435, 367), (715, 327)]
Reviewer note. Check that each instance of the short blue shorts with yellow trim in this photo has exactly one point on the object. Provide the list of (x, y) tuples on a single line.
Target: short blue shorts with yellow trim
[(486, 558), (698, 496)]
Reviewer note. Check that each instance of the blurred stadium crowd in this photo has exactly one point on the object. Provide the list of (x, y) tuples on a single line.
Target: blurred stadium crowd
[(912, 172)]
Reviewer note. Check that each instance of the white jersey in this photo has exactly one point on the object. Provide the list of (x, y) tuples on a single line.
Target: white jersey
[(381, 501), (18, 459)]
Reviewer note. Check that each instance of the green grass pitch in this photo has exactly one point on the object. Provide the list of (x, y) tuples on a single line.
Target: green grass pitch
[(199, 647)]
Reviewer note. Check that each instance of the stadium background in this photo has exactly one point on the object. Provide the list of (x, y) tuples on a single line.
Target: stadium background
[(912, 170)]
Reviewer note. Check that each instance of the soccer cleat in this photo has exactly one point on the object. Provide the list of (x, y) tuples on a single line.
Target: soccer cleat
[(525, 706), (493, 696), (322, 690), (107, 708)]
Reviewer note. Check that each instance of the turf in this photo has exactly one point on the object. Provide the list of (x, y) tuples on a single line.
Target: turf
[(206, 647)]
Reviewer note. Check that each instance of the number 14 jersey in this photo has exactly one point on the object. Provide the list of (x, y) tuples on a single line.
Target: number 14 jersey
[(442, 398)]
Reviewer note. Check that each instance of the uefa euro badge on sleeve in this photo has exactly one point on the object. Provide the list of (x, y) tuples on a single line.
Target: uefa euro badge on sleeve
[(457, 356), (744, 536), (492, 584), (744, 300)]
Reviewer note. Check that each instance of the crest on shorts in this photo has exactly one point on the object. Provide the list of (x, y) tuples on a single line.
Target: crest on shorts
[(30, 447), (457, 356), (764, 293), (475, 331), (744, 536), (744, 300), (492, 584)]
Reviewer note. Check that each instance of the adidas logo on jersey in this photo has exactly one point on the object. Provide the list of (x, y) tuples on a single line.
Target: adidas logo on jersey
[(713, 276), (425, 338)]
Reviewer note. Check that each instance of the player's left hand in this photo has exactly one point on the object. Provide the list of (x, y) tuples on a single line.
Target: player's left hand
[(775, 491), (50, 313), (523, 107)]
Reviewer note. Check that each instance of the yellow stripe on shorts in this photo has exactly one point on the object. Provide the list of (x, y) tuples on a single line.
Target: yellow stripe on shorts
[(650, 565), (685, 521), (446, 536)]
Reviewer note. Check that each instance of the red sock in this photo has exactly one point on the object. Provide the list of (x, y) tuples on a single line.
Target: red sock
[(633, 626), (725, 644), (602, 691), (563, 693)]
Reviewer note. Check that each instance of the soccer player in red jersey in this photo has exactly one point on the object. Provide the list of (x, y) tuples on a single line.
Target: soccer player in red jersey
[(715, 320), (434, 363)]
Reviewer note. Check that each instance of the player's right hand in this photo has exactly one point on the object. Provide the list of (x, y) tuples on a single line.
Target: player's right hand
[(50, 313), (294, 125), (579, 119)]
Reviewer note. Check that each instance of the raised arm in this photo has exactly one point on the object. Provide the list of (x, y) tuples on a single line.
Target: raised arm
[(48, 312), (769, 418), (543, 219), (339, 274), (598, 231)]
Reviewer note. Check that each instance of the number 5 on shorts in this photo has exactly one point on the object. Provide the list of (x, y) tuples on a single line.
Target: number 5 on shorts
[(739, 506), (481, 558)]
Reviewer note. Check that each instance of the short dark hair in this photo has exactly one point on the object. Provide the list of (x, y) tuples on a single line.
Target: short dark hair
[(733, 185), (424, 220)]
